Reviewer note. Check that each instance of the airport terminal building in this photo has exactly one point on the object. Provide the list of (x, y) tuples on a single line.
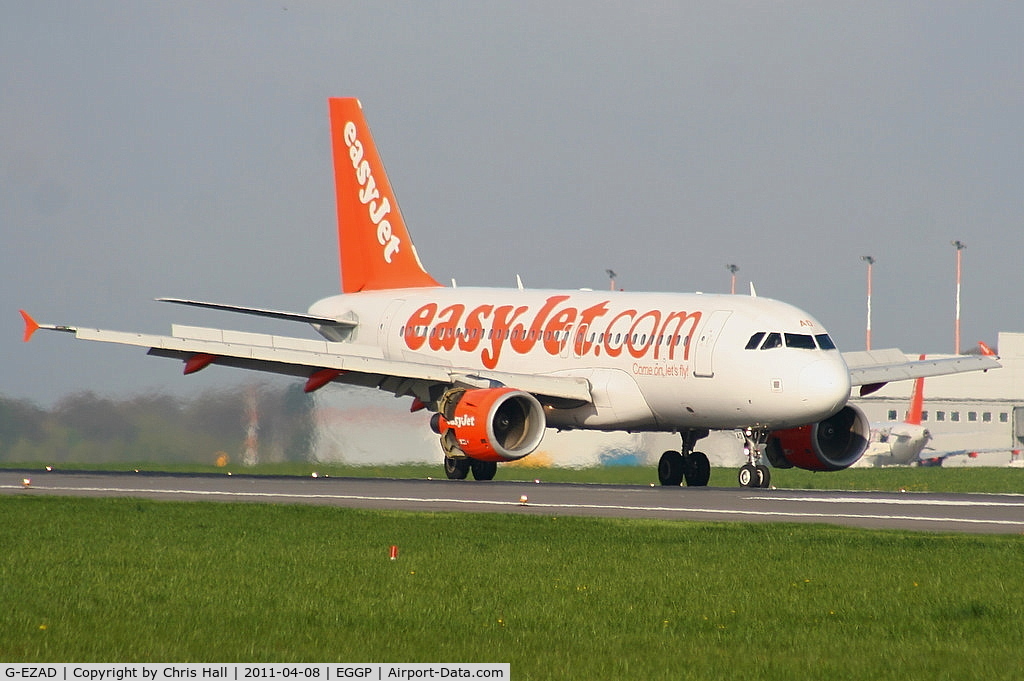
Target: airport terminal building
[(972, 411)]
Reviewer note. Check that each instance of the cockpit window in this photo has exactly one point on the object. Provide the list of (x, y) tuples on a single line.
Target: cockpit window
[(825, 342), (774, 340), (800, 340), (754, 340), (767, 341)]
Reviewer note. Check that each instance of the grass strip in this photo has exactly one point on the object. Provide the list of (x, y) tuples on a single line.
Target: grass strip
[(119, 580)]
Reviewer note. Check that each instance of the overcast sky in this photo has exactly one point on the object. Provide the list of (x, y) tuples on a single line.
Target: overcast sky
[(182, 149)]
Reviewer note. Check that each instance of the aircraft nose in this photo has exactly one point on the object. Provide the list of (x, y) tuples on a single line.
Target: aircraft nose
[(825, 382)]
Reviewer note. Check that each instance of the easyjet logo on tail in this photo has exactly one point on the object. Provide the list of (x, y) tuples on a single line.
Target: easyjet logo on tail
[(369, 195), (374, 248)]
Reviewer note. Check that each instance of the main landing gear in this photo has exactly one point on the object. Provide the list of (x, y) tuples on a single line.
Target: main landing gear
[(694, 467), (458, 468), (753, 473)]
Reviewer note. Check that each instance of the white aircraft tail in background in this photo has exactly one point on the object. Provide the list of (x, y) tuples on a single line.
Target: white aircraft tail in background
[(498, 366)]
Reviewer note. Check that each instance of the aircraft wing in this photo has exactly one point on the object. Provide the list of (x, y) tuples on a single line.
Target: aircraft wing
[(321, 361), (937, 458), (874, 368)]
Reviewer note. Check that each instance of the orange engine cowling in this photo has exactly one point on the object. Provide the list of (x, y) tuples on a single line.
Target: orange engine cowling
[(830, 445), (493, 424)]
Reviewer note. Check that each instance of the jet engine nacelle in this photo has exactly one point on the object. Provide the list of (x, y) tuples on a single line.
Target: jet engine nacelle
[(491, 424), (830, 445)]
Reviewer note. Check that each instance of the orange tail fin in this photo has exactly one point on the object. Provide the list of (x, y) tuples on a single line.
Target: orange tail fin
[(375, 249), (916, 401)]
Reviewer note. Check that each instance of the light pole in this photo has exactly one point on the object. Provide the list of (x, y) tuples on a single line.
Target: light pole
[(733, 269), (959, 246), (870, 261)]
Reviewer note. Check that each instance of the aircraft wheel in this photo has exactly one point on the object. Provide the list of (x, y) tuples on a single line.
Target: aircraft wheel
[(697, 469), (764, 476), (456, 469), (483, 470), (670, 469), (748, 476)]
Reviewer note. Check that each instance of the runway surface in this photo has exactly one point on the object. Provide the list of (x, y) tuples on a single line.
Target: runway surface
[(975, 513)]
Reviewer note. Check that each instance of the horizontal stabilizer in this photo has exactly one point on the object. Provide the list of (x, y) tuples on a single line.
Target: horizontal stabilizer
[(259, 312), (31, 326)]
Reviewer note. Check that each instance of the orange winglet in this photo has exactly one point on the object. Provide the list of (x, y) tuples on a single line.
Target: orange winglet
[(31, 326)]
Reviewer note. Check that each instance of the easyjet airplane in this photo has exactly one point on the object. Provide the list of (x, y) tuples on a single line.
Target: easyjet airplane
[(498, 366)]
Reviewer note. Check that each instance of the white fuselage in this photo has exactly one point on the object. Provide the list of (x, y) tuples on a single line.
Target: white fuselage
[(655, 361)]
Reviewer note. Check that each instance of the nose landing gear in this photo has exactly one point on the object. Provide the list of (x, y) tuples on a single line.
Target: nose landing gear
[(754, 473)]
